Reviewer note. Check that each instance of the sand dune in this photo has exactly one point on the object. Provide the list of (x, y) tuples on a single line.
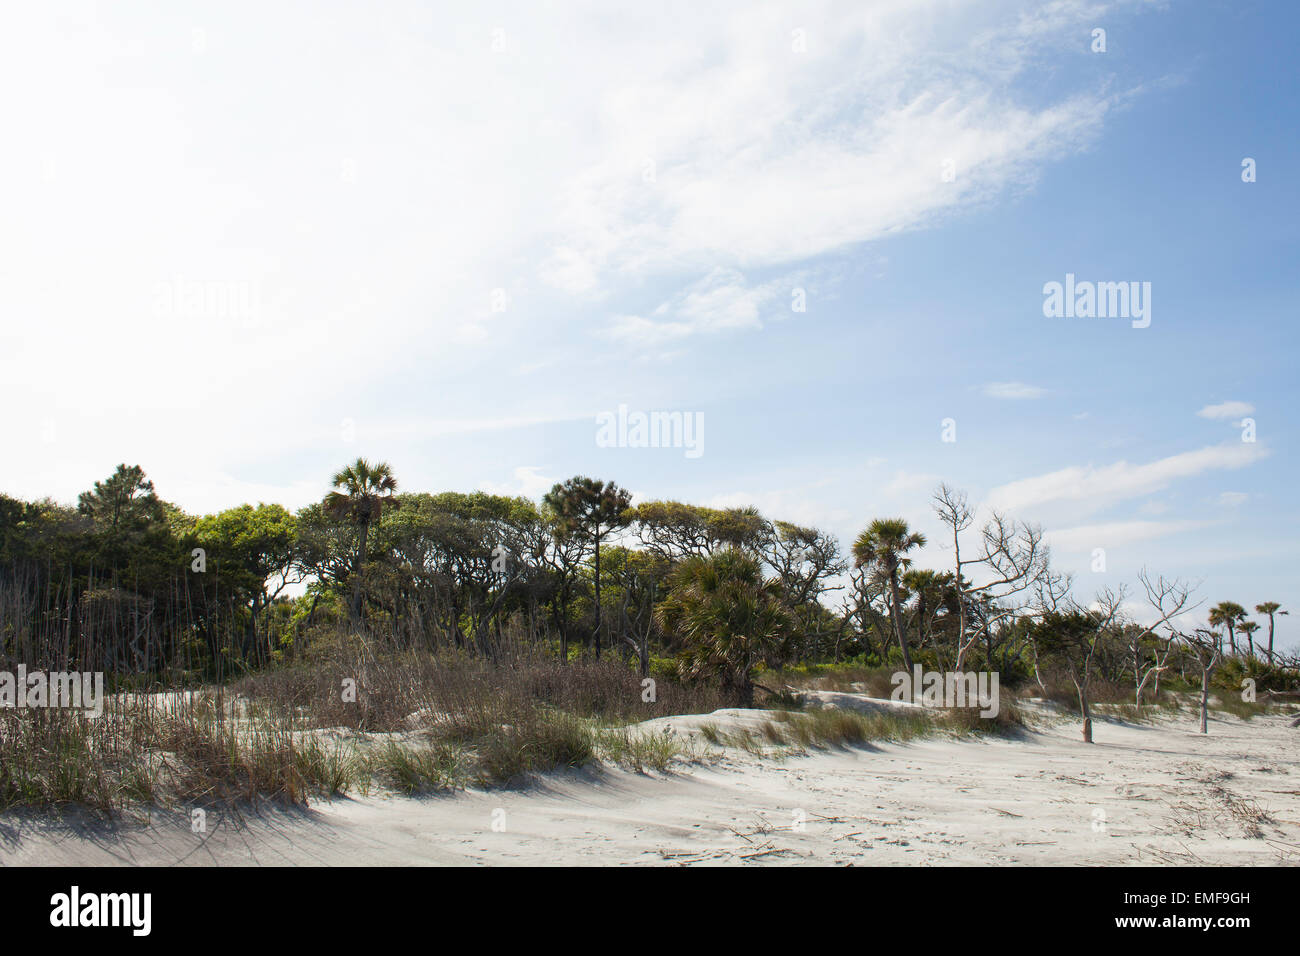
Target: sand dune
[(1150, 793)]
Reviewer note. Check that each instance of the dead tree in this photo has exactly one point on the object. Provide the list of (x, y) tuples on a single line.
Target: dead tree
[(1207, 648), (1169, 599), (1073, 636), (999, 575), (1052, 591)]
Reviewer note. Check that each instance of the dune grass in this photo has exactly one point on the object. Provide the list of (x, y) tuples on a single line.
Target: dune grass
[(414, 724)]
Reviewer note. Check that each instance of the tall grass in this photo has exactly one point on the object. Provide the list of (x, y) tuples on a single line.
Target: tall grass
[(346, 720)]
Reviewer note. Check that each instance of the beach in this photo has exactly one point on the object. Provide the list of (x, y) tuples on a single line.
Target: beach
[(1144, 793)]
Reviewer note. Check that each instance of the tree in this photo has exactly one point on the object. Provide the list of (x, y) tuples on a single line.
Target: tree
[(254, 552), (131, 539), (884, 546), (589, 509), (1011, 560), (728, 616), (934, 602), (640, 575), (563, 557), (742, 528), (1270, 608), (1168, 598), (804, 560), (1073, 637), (1228, 614), (1248, 629), (360, 491), (452, 565), (123, 502), (860, 612), (673, 530), (1207, 647)]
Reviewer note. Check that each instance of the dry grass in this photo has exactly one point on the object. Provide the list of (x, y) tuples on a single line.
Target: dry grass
[(411, 722), (1223, 807)]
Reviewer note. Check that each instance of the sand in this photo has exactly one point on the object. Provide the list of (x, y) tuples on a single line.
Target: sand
[(1142, 794)]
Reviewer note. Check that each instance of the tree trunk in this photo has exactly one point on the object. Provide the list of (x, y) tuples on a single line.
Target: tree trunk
[(253, 650), (560, 614), (1137, 678), (596, 637), (1084, 710), (746, 691), (1205, 700), (897, 617), (356, 572)]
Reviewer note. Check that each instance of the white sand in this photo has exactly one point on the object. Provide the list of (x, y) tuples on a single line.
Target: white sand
[(1142, 794)]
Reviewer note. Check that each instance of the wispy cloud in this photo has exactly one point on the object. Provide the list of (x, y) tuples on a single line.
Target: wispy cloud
[(904, 482), (526, 480), (1114, 534), (1100, 486), (1013, 390), (721, 301), (1226, 410), (881, 101)]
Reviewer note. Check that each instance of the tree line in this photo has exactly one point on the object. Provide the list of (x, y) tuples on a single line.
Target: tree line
[(127, 581)]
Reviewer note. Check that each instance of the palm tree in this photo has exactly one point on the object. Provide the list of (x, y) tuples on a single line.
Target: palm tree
[(592, 509), (1270, 608), (1248, 628), (360, 491), (934, 593), (728, 616), (883, 546), (1228, 614)]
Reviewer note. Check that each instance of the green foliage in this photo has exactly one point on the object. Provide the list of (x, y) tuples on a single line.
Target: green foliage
[(729, 618), (588, 508), (542, 741), (414, 769)]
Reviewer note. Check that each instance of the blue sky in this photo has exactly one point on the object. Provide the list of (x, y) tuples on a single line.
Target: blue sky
[(245, 244)]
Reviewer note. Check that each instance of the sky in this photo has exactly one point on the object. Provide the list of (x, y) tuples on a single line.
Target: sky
[(246, 243)]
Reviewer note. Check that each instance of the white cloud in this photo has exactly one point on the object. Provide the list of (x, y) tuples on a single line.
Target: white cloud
[(1110, 535), (1099, 486), (790, 504), (370, 180), (1226, 410), (904, 482), (739, 152), (203, 494), (1013, 390), (569, 270), (1233, 499), (720, 301), (527, 481)]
